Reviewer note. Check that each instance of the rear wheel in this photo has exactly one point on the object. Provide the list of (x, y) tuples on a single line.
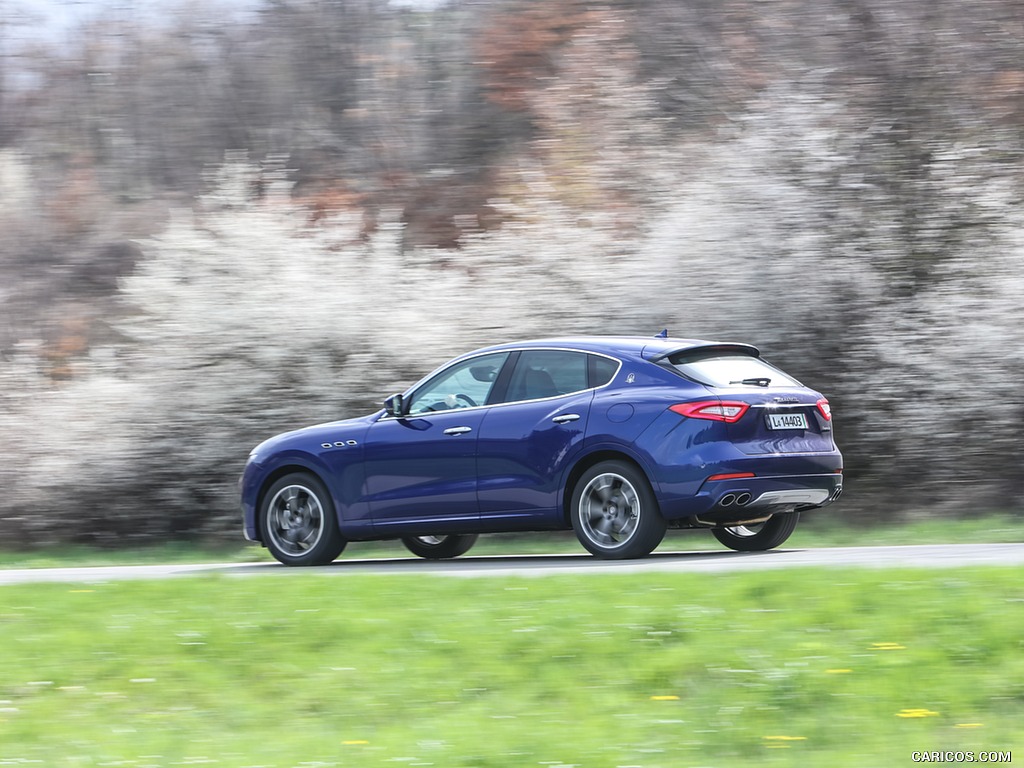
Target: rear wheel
[(758, 537), (440, 547), (298, 521), (614, 512)]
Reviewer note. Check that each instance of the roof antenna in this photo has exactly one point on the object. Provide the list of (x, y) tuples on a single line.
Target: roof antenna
[(663, 334)]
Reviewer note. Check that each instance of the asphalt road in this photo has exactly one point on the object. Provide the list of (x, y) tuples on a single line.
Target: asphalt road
[(925, 556)]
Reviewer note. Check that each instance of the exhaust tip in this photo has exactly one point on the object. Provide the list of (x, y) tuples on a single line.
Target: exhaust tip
[(742, 499), (728, 500), (837, 493)]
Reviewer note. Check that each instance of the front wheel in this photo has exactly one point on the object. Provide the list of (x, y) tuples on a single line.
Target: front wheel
[(614, 512), (298, 521), (758, 537), (440, 547)]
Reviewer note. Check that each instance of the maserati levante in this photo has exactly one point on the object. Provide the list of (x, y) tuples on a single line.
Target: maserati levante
[(616, 438)]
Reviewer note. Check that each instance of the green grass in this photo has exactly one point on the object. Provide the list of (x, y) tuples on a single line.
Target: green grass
[(806, 667), (816, 530), (149, 554)]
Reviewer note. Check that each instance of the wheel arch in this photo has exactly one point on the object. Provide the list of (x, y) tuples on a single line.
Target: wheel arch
[(590, 460)]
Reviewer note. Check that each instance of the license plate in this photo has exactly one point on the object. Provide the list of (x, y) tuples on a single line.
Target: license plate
[(787, 421)]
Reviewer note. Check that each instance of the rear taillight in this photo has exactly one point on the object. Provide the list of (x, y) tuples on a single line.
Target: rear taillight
[(825, 408), (713, 410)]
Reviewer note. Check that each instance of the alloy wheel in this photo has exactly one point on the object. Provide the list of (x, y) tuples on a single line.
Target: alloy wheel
[(609, 510), (295, 520)]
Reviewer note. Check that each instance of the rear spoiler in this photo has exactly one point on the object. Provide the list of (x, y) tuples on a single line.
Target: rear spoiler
[(689, 354)]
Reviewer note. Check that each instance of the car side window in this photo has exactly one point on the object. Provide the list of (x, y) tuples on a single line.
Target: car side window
[(547, 373), (463, 385), (602, 370)]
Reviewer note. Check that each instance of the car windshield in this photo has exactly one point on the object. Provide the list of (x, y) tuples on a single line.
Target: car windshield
[(733, 370)]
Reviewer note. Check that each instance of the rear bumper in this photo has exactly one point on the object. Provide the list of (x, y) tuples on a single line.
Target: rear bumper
[(727, 501), (786, 484)]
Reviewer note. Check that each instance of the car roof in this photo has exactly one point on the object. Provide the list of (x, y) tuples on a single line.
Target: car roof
[(644, 347)]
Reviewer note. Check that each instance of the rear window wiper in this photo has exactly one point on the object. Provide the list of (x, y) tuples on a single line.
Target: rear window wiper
[(762, 381)]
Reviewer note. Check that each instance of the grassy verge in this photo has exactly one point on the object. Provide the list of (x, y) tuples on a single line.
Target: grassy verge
[(799, 667), (814, 531)]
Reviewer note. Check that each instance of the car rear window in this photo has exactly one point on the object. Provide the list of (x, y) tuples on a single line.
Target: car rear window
[(731, 370)]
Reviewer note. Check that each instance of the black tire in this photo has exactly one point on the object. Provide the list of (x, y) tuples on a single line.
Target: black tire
[(760, 536), (440, 547), (614, 512), (299, 523)]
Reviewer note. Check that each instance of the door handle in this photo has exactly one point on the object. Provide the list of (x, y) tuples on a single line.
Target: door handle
[(565, 418), (458, 430)]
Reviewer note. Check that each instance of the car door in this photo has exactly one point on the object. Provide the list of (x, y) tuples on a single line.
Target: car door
[(421, 467), (528, 441)]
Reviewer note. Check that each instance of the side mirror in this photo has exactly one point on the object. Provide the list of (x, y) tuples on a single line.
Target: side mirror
[(394, 406)]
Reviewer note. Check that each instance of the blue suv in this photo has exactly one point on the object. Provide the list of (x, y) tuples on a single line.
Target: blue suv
[(618, 438)]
